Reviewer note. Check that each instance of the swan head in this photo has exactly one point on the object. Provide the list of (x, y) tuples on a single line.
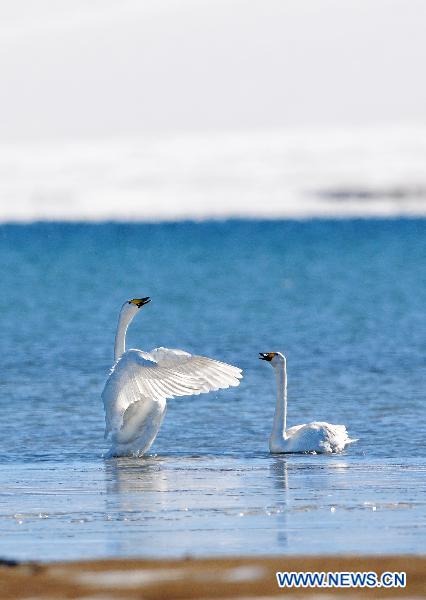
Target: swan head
[(272, 357), (127, 313), (139, 302), (131, 307)]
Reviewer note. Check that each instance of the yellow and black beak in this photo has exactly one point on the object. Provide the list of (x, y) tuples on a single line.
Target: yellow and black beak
[(266, 356), (139, 302)]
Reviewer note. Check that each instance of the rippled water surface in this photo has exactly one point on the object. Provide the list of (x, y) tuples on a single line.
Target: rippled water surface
[(343, 299)]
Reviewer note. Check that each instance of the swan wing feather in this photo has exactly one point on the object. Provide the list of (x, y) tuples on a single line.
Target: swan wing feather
[(141, 376), (135, 377), (210, 374)]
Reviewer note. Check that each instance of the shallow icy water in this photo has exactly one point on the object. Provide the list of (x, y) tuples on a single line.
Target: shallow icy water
[(212, 505)]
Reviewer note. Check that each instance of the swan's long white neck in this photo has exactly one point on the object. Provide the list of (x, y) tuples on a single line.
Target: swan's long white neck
[(280, 418), (126, 316)]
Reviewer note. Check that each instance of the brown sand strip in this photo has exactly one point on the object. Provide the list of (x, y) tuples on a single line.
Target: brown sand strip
[(209, 578)]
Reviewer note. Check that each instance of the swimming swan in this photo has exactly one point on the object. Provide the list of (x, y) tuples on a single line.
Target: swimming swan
[(310, 437), (140, 382)]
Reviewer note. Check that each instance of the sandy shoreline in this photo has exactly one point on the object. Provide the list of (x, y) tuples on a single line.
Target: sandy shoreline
[(201, 578)]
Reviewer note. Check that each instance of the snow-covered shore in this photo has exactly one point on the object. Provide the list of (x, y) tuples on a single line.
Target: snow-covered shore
[(294, 174)]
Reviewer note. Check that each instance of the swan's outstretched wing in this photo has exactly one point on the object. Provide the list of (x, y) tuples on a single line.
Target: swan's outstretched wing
[(153, 377), (210, 374), (136, 377)]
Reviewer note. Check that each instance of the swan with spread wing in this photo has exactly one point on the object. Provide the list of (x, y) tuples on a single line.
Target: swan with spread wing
[(140, 383)]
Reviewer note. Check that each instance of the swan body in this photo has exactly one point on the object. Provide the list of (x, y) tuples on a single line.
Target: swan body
[(318, 436), (136, 392)]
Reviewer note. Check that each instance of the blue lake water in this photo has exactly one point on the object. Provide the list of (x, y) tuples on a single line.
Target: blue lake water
[(344, 300)]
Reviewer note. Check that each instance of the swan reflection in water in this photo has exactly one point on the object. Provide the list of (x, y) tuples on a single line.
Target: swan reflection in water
[(136, 495), (279, 473), (133, 478)]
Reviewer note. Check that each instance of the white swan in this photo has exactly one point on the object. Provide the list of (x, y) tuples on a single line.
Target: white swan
[(140, 382), (310, 437)]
